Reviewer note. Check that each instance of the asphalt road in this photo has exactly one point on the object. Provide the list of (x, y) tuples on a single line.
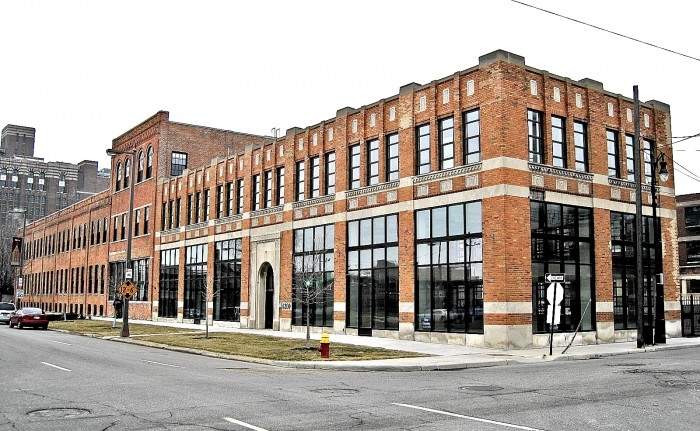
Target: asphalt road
[(57, 381)]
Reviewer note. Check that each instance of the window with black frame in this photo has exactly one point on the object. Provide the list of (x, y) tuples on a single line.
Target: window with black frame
[(373, 273), (195, 300), (624, 266), (227, 280), (312, 290), (562, 242), (167, 292), (449, 269), (140, 279)]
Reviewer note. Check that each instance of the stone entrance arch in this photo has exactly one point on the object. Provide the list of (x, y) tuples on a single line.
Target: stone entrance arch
[(264, 288)]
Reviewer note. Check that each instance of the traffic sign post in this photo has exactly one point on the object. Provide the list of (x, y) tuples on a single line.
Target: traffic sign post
[(555, 295)]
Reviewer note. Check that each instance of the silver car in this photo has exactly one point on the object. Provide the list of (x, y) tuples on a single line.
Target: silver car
[(6, 308)]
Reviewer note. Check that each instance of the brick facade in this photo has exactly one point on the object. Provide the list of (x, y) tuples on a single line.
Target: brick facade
[(502, 181)]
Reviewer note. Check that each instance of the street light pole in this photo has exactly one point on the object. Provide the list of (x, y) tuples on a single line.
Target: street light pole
[(660, 320), (20, 279), (129, 234)]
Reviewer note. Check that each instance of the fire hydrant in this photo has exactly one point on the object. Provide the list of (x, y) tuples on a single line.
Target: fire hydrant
[(324, 348)]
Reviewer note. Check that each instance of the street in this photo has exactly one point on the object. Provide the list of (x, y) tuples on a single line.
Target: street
[(60, 381)]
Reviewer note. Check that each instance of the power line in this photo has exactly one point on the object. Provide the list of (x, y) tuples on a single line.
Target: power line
[(606, 30)]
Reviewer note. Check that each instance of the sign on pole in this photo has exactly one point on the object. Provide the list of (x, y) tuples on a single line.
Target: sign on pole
[(129, 273), (555, 295)]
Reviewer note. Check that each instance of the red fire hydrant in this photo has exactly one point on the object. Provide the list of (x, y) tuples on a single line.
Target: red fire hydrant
[(324, 348)]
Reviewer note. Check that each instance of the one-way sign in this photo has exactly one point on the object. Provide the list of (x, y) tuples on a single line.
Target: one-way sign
[(557, 277)]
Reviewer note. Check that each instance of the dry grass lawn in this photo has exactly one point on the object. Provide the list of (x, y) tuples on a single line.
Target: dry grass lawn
[(229, 343)]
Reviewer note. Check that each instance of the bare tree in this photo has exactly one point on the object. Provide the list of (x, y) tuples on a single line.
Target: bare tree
[(311, 289)]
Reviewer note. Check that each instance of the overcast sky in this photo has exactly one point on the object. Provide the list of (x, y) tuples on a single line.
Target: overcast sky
[(84, 72)]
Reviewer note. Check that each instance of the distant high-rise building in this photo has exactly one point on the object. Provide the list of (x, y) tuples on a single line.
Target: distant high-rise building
[(41, 188)]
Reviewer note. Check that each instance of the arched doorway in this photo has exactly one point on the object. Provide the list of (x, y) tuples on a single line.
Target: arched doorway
[(269, 298)]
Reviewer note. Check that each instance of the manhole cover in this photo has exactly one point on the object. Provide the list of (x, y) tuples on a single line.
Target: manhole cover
[(335, 391), (59, 413), (483, 388)]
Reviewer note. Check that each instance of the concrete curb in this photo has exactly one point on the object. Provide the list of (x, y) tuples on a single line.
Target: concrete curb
[(431, 363)]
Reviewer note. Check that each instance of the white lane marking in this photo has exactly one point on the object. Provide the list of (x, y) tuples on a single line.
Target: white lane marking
[(160, 363), (243, 424), (467, 417), (61, 342), (55, 366)]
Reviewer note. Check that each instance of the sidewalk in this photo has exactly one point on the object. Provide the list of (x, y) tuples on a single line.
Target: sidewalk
[(445, 356)]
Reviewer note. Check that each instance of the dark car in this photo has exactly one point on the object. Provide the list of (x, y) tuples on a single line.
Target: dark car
[(29, 316)]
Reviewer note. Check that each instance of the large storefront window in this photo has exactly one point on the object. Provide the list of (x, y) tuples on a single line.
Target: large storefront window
[(313, 276), (562, 242), (195, 282), (373, 273), (227, 280), (167, 294), (449, 269), (624, 266)]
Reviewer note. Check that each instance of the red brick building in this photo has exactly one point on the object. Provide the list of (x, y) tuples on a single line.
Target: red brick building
[(433, 214)]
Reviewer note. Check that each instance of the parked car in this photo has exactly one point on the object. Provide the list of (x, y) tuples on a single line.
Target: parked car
[(6, 309), (29, 316)]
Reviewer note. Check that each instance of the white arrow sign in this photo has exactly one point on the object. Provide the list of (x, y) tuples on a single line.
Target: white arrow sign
[(555, 277)]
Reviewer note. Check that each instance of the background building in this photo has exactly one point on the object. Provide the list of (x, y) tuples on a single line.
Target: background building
[(433, 214), (37, 188), (689, 242)]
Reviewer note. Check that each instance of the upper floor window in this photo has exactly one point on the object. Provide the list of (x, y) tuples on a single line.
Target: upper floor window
[(692, 216), (373, 162), (229, 198), (149, 163), (629, 153), (267, 187), (558, 142), (178, 163), (329, 182), (30, 180), (423, 149), (42, 181), (118, 184), (534, 136), (62, 183), (280, 186), (446, 136), (472, 139), (581, 146), (256, 193), (315, 190), (648, 151), (301, 175), (219, 201), (613, 154), (139, 174), (15, 178), (207, 203), (240, 195), (3, 177), (127, 172), (692, 251), (354, 166), (392, 157)]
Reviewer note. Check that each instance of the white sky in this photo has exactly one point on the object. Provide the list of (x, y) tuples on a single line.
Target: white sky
[(84, 72)]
